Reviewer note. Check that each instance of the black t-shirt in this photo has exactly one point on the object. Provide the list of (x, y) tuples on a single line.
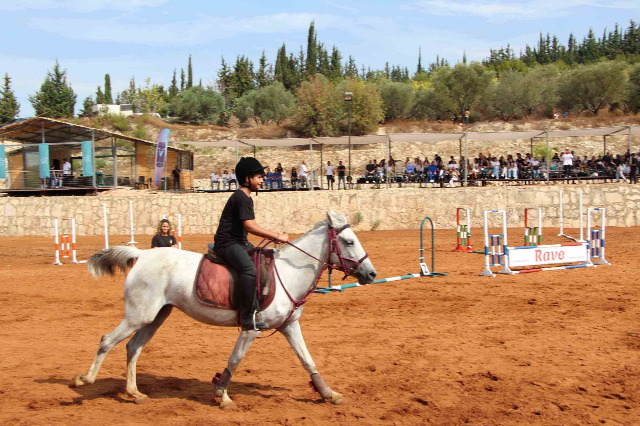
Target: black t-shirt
[(341, 170), (163, 241), (231, 229)]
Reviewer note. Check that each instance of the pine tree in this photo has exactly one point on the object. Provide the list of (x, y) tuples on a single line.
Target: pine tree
[(100, 96), (324, 63), (263, 79), (224, 79), (350, 68), (9, 106), (108, 99), (173, 89), (242, 80), (87, 106), (56, 98), (336, 64), (311, 64), (189, 74)]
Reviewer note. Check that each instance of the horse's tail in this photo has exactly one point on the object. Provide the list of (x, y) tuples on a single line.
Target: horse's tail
[(111, 259)]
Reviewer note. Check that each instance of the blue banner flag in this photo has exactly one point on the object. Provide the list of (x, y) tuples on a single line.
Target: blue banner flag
[(161, 156), (43, 150), (87, 158), (3, 163)]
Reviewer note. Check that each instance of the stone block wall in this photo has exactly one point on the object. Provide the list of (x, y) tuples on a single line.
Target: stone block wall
[(296, 212)]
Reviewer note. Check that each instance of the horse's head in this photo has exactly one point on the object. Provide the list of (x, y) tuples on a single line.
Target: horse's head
[(346, 252)]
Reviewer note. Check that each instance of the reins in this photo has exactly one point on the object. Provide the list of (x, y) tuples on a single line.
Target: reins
[(334, 247)]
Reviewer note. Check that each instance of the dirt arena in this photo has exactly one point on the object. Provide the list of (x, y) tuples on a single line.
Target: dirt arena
[(559, 347)]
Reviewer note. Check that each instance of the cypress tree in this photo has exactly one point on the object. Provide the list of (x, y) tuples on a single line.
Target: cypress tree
[(224, 79), (419, 69), (262, 77), (108, 99), (9, 106), (311, 64), (182, 80), (189, 74)]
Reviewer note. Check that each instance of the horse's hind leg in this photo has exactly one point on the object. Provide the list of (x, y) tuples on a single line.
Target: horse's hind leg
[(134, 348), (294, 336), (108, 342), (244, 342)]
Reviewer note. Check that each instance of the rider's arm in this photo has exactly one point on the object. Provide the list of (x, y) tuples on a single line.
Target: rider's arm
[(253, 228)]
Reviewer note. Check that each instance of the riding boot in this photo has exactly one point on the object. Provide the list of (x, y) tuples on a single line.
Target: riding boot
[(250, 314)]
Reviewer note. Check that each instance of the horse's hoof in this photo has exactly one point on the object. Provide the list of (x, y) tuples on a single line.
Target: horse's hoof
[(78, 381), (338, 399), (228, 405), (142, 399)]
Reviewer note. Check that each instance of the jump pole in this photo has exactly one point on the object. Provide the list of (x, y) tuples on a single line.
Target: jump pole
[(463, 232), (580, 213), (596, 237), (106, 225), (424, 270), (532, 234), (133, 241), (63, 244)]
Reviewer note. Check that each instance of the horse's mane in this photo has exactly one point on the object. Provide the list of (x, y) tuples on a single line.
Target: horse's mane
[(322, 223)]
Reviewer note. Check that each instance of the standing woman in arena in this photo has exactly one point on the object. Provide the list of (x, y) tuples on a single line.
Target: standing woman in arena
[(163, 237)]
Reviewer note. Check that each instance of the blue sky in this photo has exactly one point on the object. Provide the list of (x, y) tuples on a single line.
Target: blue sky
[(149, 38)]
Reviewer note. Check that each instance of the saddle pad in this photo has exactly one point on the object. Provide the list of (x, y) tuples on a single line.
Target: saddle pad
[(214, 283)]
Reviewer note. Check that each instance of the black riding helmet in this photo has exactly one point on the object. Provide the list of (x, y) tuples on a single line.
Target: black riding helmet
[(246, 167)]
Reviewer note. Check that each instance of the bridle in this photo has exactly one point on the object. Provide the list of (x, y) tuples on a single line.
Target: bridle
[(344, 264)]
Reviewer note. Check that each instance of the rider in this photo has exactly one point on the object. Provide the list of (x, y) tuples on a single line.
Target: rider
[(231, 244)]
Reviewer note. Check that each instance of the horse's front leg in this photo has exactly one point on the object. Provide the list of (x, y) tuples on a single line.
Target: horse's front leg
[(294, 336), (244, 342)]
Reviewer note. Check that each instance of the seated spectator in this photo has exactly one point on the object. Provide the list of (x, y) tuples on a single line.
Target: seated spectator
[(512, 168), (370, 170), (226, 180), (535, 167), (215, 180), (409, 170), (454, 174), (268, 178), (294, 178), (277, 178), (232, 179)]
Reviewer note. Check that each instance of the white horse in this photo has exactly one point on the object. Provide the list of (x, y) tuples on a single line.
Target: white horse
[(164, 277)]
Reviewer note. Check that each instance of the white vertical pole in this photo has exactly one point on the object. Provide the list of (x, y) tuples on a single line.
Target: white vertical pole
[(310, 177), (106, 226), (133, 241), (548, 157), (505, 246), (179, 232), (74, 259), (581, 240), (57, 243), (561, 214), (487, 269)]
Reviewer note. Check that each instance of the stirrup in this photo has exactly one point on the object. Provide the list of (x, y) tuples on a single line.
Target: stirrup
[(255, 325)]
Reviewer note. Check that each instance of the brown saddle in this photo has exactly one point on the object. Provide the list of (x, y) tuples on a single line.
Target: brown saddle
[(215, 281)]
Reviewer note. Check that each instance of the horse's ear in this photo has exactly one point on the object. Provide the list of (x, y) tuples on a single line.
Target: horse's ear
[(336, 220)]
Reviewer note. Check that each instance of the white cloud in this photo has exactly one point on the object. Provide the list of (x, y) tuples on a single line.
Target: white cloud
[(184, 33), (504, 10), (79, 5)]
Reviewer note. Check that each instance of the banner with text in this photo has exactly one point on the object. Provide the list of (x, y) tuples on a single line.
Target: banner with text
[(161, 156), (546, 255), (3, 163), (43, 150), (87, 158)]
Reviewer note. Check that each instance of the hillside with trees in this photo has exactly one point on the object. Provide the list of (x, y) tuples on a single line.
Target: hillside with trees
[(302, 91)]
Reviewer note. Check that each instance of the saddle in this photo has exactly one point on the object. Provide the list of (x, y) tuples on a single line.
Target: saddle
[(215, 281)]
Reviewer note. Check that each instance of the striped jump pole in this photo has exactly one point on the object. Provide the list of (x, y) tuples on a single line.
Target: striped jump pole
[(580, 217), (532, 234), (463, 232), (495, 246), (595, 245), (65, 244)]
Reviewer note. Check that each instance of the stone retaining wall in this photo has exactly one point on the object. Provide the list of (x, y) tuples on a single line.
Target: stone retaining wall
[(296, 212)]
